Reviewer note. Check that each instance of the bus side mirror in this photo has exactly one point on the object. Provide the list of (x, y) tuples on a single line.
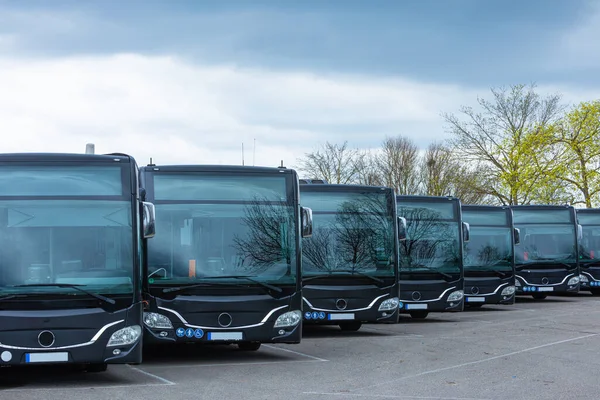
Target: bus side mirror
[(579, 232), (307, 222), (148, 220), (517, 232), (466, 232), (401, 228)]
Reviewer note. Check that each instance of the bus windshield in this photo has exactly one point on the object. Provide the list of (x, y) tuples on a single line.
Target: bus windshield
[(433, 242), (239, 227), (546, 242), (352, 232), (590, 243), (48, 240), (489, 248)]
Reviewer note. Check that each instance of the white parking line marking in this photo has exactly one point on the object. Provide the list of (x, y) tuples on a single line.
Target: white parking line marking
[(385, 396), (295, 352), (513, 353), (163, 380), (238, 364)]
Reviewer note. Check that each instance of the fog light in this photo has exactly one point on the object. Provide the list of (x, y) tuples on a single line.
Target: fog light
[(116, 352), (281, 332)]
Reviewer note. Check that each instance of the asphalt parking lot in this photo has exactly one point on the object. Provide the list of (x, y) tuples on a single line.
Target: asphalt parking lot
[(548, 349)]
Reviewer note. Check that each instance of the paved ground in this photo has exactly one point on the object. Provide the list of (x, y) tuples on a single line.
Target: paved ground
[(547, 349)]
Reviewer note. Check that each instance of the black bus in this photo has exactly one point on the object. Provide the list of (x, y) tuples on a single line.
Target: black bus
[(589, 249), (350, 264), (71, 226), (431, 257), (225, 266), (489, 255), (547, 261)]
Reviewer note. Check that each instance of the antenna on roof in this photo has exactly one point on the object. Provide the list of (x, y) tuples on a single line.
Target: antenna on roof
[(242, 153), (90, 148), (281, 166), (254, 153), (151, 163)]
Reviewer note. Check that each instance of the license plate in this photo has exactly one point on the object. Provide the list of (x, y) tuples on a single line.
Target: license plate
[(416, 306), (338, 317), (475, 299), (225, 336), (46, 357), (545, 289)]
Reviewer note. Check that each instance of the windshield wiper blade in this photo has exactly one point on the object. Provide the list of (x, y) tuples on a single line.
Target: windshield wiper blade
[(445, 275), (12, 296), (248, 278), (195, 285), (332, 273), (352, 271), (69, 285)]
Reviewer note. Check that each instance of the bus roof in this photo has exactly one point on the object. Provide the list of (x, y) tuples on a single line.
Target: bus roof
[(62, 157), (217, 168)]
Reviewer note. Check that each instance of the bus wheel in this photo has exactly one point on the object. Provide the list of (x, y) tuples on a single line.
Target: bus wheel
[(595, 292), (249, 346), (539, 296), (96, 367), (350, 326), (419, 314)]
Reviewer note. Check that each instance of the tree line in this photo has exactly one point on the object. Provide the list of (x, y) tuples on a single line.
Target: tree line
[(518, 147)]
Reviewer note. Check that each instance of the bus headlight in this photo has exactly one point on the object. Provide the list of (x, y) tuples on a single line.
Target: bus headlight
[(288, 319), (457, 295), (508, 291), (517, 283), (125, 336), (389, 304), (583, 278), (157, 321), (573, 281)]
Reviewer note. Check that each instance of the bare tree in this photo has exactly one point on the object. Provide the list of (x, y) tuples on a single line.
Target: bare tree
[(508, 142), (332, 162), (367, 169), (443, 174), (399, 164)]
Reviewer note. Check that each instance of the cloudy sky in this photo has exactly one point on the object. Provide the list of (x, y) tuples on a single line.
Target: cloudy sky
[(190, 81)]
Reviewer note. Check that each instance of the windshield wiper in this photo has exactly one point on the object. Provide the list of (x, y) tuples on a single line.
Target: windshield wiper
[(445, 275), (68, 285), (249, 278), (344, 271), (12, 296), (543, 262)]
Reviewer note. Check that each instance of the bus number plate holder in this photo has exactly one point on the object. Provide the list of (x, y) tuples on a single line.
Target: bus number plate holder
[(475, 299), (46, 357), (416, 306), (341, 317), (545, 289)]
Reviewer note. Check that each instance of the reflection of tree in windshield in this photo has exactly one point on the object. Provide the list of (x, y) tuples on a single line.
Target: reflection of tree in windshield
[(269, 236), (359, 236), (547, 243), (430, 242), (488, 247)]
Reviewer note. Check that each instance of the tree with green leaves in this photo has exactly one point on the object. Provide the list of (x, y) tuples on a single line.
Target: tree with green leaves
[(578, 135), (509, 143)]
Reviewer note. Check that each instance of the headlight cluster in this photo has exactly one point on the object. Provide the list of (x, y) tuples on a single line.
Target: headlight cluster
[(157, 321), (288, 319), (508, 291), (125, 336), (389, 304), (457, 295)]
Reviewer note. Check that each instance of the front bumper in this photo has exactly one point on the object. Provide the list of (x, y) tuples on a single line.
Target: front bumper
[(523, 287), (315, 316), (184, 332)]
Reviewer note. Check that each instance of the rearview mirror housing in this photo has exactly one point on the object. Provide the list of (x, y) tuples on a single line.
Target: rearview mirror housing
[(307, 222), (148, 220)]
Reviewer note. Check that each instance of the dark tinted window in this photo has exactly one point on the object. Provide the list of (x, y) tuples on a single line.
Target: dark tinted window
[(49, 180)]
